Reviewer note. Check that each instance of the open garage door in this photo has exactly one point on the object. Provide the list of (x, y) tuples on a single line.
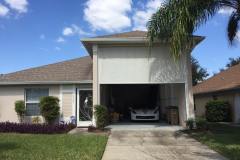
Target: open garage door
[(142, 102), (125, 100)]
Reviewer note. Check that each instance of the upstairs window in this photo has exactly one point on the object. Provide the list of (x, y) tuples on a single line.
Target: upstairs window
[(33, 96)]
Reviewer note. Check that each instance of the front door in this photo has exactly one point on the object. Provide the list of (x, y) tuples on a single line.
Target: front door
[(84, 107)]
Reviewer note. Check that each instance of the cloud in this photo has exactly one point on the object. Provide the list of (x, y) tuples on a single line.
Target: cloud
[(60, 40), (44, 49), (57, 48), (238, 36), (141, 16), (80, 31), (67, 31), (42, 36), (75, 30), (108, 15), (3, 11), (18, 5), (226, 11), (215, 23), (236, 41)]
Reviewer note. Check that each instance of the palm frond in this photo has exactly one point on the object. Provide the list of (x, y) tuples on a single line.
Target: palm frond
[(177, 20), (232, 27)]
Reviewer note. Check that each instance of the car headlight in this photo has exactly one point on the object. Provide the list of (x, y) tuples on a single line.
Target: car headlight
[(156, 110), (133, 111)]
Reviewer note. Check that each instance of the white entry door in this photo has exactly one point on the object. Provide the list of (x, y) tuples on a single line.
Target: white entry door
[(84, 107)]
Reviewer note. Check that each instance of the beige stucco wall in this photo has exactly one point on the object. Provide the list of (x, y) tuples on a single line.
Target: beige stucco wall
[(10, 94), (236, 107), (95, 85), (200, 101), (174, 95)]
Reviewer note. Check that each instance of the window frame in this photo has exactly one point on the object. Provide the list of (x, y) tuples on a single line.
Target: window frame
[(33, 102)]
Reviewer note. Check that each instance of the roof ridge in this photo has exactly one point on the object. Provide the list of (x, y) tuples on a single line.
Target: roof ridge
[(119, 33), (46, 65)]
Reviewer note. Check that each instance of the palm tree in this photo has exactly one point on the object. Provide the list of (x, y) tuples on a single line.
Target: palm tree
[(177, 20)]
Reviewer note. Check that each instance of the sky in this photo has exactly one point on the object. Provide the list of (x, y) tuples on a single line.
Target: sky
[(39, 32)]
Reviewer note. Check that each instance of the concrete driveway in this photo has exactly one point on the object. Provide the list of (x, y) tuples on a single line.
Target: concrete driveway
[(156, 145)]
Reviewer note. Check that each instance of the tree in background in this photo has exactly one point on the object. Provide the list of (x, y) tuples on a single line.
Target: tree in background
[(177, 20), (233, 62), (198, 73)]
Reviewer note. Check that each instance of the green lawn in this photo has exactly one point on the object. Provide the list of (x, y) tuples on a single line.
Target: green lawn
[(222, 138), (49, 147)]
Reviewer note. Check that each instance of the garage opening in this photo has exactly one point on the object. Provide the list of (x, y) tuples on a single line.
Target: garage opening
[(140, 102)]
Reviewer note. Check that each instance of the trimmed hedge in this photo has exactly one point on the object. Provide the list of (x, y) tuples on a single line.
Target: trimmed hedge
[(49, 107), (218, 111), (35, 128), (20, 109)]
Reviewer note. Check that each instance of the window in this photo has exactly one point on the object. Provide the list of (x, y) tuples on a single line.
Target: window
[(33, 96)]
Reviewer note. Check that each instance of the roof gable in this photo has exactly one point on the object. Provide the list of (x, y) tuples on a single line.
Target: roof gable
[(129, 38)]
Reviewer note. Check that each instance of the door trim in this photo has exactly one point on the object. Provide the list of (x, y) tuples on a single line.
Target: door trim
[(82, 123)]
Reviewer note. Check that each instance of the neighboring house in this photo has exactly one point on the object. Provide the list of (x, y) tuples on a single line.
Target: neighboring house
[(223, 86), (119, 72)]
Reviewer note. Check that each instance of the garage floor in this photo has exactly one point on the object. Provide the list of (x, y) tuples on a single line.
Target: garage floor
[(155, 145)]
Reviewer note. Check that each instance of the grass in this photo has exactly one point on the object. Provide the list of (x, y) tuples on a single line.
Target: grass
[(222, 138), (49, 147)]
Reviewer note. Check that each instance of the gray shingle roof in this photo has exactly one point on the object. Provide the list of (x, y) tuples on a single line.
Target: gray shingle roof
[(75, 70)]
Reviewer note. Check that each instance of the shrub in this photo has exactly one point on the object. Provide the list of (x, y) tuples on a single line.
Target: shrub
[(20, 109), (201, 123), (49, 107), (218, 111), (190, 123), (35, 128), (36, 120), (101, 114)]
